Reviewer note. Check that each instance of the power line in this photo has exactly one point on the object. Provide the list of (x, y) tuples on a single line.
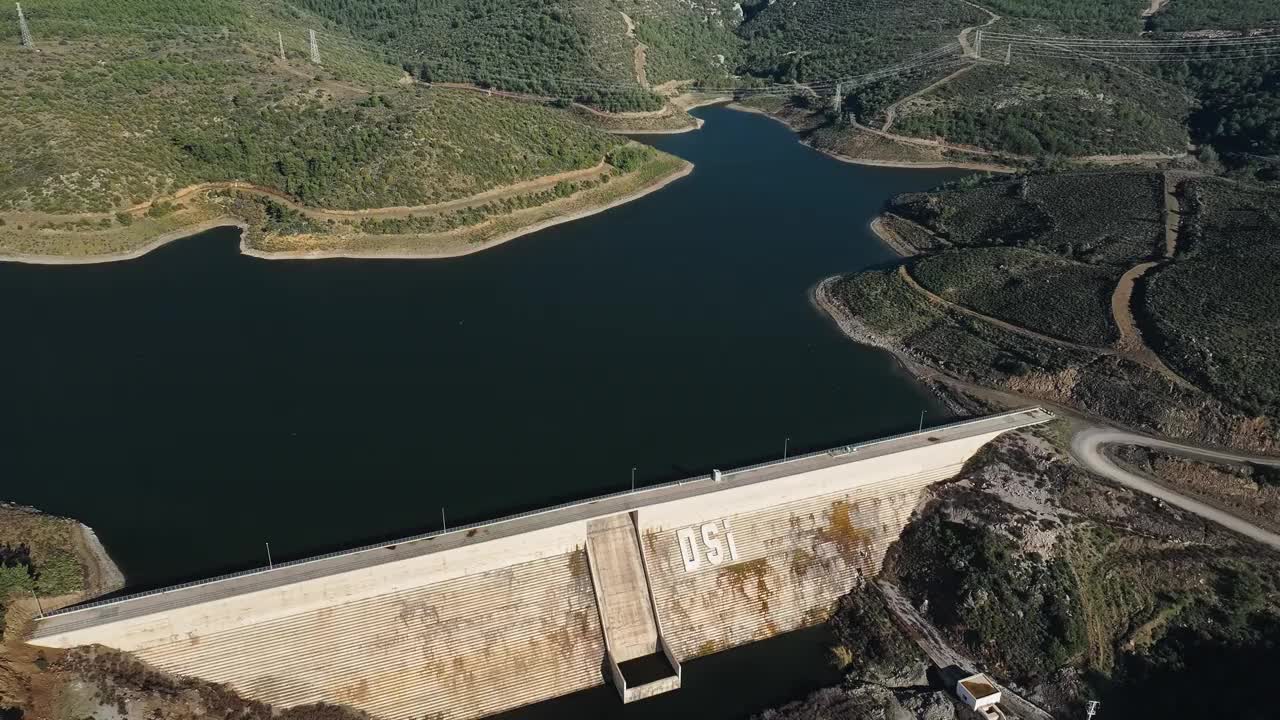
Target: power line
[(1141, 50)]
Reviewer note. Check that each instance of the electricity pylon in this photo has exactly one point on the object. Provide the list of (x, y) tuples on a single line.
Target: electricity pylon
[(23, 29)]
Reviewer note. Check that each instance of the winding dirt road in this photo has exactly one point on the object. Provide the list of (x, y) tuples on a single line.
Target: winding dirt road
[(966, 49), (1131, 339), (1086, 448)]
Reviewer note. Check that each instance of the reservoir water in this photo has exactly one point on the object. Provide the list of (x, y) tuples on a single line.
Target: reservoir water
[(195, 404)]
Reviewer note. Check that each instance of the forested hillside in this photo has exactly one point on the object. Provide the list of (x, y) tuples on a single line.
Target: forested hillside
[(1222, 14), (577, 50), (127, 100), (132, 122), (1239, 105), (812, 40), (1107, 98)]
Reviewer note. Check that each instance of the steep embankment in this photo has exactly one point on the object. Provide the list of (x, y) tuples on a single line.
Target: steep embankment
[(1024, 568)]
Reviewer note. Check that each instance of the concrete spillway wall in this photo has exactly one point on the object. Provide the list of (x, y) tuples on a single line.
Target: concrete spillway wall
[(475, 621)]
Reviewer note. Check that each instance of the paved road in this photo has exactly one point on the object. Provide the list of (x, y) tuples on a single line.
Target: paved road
[(1087, 445)]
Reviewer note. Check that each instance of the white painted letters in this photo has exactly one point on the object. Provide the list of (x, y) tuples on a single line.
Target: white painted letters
[(688, 542), (715, 537), (715, 551)]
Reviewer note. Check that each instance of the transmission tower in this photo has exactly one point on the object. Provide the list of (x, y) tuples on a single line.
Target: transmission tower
[(23, 29), (1008, 54), (837, 102), (1090, 709), (977, 45), (280, 38), (315, 48)]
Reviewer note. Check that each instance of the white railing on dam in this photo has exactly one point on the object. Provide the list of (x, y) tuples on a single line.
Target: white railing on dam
[(1009, 420)]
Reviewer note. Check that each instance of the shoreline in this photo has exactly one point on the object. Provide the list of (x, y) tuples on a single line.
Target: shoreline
[(104, 575), (857, 331), (697, 121), (904, 164), (154, 244), (229, 221), (849, 325), (697, 125), (891, 239), (684, 171)]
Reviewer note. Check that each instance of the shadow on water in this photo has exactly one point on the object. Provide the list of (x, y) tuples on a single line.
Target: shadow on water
[(724, 686), (195, 404)]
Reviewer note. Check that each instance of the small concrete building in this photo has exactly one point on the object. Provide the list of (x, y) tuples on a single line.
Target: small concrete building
[(979, 693)]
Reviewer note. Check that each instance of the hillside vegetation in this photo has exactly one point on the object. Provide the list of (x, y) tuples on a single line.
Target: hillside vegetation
[(1223, 14), (1080, 17), (1082, 592), (1216, 311), (131, 121), (110, 121), (1038, 107), (1046, 103), (1064, 591), (1058, 297), (1044, 254), (37, 555), (811, 40), (1099, 218), (577, 51)]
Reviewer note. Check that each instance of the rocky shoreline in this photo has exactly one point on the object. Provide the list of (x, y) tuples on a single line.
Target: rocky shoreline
[(397, 254), (856, 330), (229, 221), (104, 575)]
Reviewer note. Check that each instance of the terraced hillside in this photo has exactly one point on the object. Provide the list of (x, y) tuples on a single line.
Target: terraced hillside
[(1026, 286), (124, 109)]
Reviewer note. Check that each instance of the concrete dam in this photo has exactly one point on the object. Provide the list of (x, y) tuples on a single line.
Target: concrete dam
[(493, 616)]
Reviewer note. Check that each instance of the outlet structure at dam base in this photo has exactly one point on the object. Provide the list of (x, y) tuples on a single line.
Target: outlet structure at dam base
[(493, 616)]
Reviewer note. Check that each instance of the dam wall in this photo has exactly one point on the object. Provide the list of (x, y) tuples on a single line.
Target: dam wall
[(485, 618)]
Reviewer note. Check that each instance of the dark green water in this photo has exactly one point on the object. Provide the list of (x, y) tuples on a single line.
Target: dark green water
[(194, 404)]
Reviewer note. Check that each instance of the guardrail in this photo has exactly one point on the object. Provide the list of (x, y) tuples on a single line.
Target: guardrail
[(540, 511)]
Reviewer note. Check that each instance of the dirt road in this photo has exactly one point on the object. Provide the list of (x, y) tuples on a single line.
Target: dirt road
[(638, 59), (1155, 7), (1086, 448), (967, 49), (1131, 339)]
